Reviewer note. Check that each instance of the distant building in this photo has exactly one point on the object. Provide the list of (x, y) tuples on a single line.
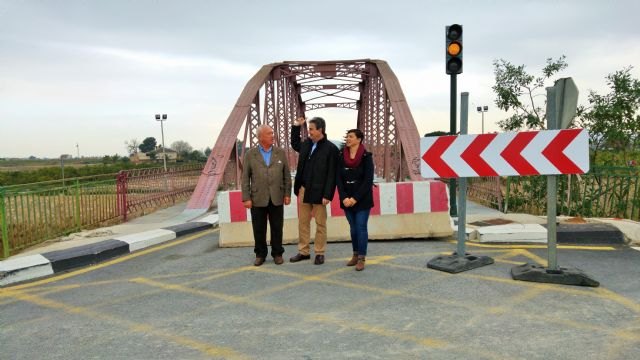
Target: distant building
[(140, 157)]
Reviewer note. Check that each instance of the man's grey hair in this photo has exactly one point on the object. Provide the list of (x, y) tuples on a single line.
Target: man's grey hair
[(262, 127)]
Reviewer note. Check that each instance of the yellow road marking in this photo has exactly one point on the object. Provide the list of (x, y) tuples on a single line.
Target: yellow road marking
[(110, 262), (593, 292), (510, 262), (532, 256), (615, 297), (303, 279), (506, 255), (514, 249), (205, 348), (598, 292), (614, 332), (428, 342), (568, 247), (520, 298), (411, 255)]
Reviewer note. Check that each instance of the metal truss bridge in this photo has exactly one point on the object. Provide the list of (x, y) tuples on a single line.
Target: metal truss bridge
[(281, 92)]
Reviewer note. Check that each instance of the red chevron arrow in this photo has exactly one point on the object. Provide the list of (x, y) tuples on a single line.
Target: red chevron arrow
[(433, 156), (511, 153), (554, 152), (472, 155)]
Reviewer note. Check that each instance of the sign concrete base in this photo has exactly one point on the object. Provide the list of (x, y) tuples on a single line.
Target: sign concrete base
[(564, 276), (454, 264), (512, 233)]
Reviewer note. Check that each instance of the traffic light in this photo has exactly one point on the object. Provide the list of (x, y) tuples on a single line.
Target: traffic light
[(453, 35)]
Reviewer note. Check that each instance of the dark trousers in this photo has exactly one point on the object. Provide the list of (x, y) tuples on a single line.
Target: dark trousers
[(259, 217)]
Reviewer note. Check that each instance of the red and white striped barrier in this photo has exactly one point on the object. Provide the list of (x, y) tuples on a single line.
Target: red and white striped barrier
[(388, 198)]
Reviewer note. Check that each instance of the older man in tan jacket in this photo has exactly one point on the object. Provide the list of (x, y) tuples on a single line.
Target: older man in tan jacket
[(266, 186)]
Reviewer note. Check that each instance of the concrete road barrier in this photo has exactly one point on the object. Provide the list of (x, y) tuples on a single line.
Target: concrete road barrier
[(402, 210)]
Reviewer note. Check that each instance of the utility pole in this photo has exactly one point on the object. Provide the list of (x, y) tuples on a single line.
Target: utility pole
[(482, 109), (162, 119)]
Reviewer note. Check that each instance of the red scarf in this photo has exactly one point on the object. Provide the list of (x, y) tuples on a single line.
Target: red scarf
[(355, 162)]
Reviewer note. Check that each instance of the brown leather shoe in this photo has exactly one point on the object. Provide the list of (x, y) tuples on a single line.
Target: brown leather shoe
[(319, 260), (278, 260), (354, 260), (259, 261), (360, 264), (299, 257)]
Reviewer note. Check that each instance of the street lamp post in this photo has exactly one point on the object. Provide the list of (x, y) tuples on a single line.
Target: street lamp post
[(62, 157), (482, 109), (162, 119)]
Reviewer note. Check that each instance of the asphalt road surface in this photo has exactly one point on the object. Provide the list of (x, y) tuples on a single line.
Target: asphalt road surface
[(190, 299)]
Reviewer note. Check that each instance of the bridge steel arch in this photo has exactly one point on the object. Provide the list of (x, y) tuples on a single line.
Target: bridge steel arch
[(290, 89)]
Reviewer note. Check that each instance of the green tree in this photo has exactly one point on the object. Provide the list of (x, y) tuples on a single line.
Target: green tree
[(196, 155), (207, 151), (182, 148), (132, 146), (612, 119), (517, 90), (148, 144)]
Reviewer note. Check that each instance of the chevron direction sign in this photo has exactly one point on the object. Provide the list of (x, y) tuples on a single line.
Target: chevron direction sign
[(546, 152)]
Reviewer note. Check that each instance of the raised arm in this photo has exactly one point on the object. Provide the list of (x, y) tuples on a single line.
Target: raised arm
[(295, 133)]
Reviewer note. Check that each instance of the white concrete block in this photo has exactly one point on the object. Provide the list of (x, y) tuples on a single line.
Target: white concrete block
[(470, 233), (388, 204), (147, 238), (291, 210), (529, 233), (24, 268), (211, 219), (224, 207), (421, 197)]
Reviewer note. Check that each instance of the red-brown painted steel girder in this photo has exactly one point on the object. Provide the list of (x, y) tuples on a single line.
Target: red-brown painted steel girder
[(291, 88)]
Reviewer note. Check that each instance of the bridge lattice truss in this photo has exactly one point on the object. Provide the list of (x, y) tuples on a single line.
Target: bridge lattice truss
[(280, 92)]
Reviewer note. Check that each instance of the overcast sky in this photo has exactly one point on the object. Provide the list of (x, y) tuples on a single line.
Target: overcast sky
[(94, 73)]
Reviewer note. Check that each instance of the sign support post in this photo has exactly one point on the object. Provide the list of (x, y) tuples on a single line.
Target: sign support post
[(460, 260), (562, 100)]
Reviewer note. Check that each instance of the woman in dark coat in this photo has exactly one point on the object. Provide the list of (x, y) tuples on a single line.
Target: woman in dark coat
[(354, 178)]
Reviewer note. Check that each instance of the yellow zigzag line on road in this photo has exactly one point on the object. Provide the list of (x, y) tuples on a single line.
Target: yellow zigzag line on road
[(568, 247), (207, 349), (433, 343)]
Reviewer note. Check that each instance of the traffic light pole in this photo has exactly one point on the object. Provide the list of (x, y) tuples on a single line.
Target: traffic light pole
[(453, 205)]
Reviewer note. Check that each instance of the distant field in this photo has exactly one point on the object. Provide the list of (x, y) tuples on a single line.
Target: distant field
[(25, 171), (27, 165)]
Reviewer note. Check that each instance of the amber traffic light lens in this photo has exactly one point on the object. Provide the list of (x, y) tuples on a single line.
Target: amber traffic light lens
[(454, 49)]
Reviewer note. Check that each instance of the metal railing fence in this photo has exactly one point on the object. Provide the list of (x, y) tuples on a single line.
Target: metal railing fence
[(143, 189), (33, 213), (486, 190), (603, 192)]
